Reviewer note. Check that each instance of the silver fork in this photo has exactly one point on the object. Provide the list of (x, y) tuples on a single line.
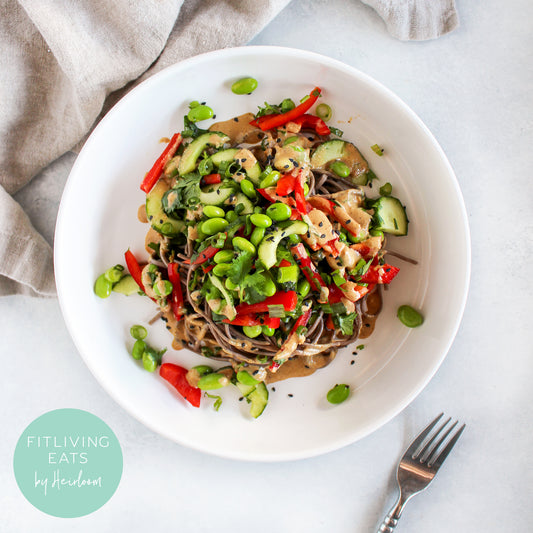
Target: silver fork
[(419, 465)]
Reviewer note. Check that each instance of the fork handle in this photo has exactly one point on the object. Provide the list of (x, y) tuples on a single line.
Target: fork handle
[(391, 520)]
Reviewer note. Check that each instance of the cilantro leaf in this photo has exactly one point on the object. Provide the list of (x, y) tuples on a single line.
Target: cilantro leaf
[(345, 322), (240, 267), (253, 288)]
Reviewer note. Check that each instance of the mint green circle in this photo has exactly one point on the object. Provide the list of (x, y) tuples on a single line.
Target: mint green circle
[(68, 463)]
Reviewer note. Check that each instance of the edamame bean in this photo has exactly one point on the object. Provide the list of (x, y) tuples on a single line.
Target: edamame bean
[(270, 179), (214, 225), (231, 216), (224, 256), (200, 112), (268, 331), (213, 211), (374, 233), (102, 286), (240, 243), (294, 239), (202, 369), (114, 274), (257, 236), (247, 187), (270, 287), (303, 288), (150, 361), (221, 270), (230, 285), (138, 332), (252, 331), (261, 221), (306, 189), (138, 349), (338, 394), (409, 317), (244, 86), (245, 378), (323, 111), (340, 168), (212, 381), (163, 288), (279, 211)]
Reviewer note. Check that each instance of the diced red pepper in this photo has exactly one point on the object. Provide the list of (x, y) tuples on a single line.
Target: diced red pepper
[(285, 185), (302, 320), (335, 294), (155, 172), (363, 249), (267, 122), (252, 319), (176, 299), (308, 267), (330, 247), (285, 263), (382, 274), (329, 323), (207, 268), (313, 122), (211, 179), (205, 255), (176, 376), (288, 299)]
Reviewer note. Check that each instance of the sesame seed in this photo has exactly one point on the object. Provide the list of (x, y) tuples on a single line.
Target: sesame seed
[(236, 119), (290, 395)]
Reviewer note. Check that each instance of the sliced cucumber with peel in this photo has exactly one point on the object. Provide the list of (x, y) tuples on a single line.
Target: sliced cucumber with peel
[(191, 154), (157, 217), (269, 245), (256, 396), (390, 216)]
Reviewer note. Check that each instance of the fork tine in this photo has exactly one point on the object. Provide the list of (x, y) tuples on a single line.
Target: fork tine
[(423, 453), (426, 453), (437, 462), (420, 439)]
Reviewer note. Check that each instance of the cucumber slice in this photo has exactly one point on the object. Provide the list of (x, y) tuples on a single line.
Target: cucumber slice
[(390, 216), (241, 198), (245, 390), (192, 152), (223, 156), (269, 244), (338, 150), (216, 194), (127, 285), (258, 399), (157, 217)]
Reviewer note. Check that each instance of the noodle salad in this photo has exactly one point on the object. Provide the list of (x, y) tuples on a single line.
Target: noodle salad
[(265, 251)]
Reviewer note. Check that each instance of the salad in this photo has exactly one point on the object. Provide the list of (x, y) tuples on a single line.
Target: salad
[(266, 248)]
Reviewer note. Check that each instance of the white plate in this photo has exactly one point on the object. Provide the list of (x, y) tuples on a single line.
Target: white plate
[(97, 223)]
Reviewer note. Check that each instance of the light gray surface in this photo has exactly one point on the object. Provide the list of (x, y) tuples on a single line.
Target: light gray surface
[(473, 89)]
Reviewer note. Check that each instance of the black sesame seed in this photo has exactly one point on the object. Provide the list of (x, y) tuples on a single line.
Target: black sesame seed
[(290, 395), (236, 119), (243, 159), (352, 363), (273, 389), (323, 236), (348, 222), (241, 398), (161, 221), (320, 224), (243, 344), (354, 353)]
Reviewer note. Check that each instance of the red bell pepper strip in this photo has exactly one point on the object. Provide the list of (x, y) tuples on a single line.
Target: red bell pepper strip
[(288, 299), (308, 267), (382, 274), (252, 319), (176, 299), (205, 255), (299, 195), (155, 172), (285, 185), (134, 268), (312, 122), (302, 320), (176, 376), (267, 122), (211, 179), (335, 294), (265, 195), (285, 263)]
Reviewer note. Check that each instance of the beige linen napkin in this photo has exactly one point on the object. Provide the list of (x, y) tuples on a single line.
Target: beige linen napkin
[(65, 62)]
